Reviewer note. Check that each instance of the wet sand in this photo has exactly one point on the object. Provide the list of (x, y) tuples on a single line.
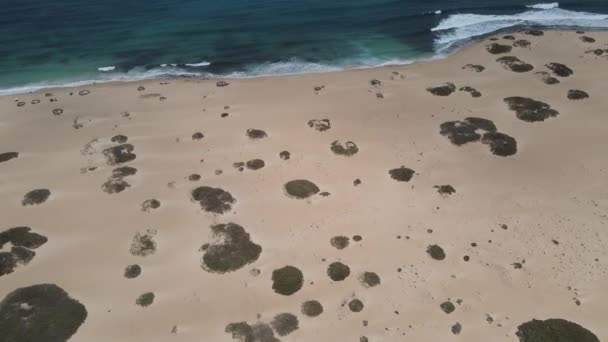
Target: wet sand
[(311, 207)]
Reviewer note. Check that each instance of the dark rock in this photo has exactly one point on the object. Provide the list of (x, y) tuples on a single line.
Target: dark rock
[(496, 48), (43, 312), (355, 305), (132, 271), (22, 237), (536, 33), (119, 154), (474, 67), (338, 271), (500, 144), (141, 88), (255, 164), (456, 328), (198, 136), (522, 43), (514, 64), (150, 204), (36, 197), (284, 324), (339, 242), (442, 90), (119, 139), (375, 82), (435, 252), (222, 84), (560, 69), (369, 279), (508, 37), (115, 185), (232, 250), (470, 90), (546, 77), (481, 123), (447, 307), (195, 177), (256, 133), (445, 190), (57, 111), (20, 104), (530, 110), (84, 92), (554, 330), (145, 299), (587, 39), (402, 174), (575, 94), (287, 280), (285, 155), (213, 200), (320, 125), (6, 156), (347, 149), (301, 188), (124, 171), (357, 182), (312, 308), (143, 243)]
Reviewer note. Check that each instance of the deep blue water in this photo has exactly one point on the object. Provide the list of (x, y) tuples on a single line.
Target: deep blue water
[(63, 41)]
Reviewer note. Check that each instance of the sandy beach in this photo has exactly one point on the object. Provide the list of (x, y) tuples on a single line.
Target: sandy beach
[(447, 200)]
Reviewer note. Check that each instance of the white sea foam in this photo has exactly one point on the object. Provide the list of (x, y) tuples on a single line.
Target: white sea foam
[(437, 12), (203, 63), (461, 27), (545, 5), (107, 68)]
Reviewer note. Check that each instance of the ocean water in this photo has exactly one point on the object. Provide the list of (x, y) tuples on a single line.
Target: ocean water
[(62, 42)]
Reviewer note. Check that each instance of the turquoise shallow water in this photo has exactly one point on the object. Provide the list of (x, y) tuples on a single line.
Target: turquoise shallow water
[(63, 41)]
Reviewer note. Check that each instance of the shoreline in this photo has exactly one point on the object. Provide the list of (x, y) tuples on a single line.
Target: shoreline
[(437, 56)]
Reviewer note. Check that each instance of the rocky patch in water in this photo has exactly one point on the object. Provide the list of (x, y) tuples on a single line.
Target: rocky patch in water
[(559, 69), (320, 125), (287, 280), (474, 67), (514, 64), (500, 144), (311, 308), (496, 48), (213, 200), (26, 314), (530, 110), (301, 188), (22, 241), (575, 94), (36, 197), (470, 90), (347, 149), (442, 90), (552, 330), (231, 249), (338, 271), (253, 133), (143, 243), (6, 156)]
